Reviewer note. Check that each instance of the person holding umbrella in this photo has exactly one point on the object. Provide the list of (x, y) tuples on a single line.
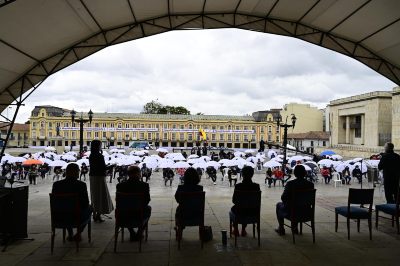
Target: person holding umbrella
[(389, 163)]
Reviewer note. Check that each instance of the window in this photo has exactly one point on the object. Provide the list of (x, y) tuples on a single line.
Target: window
[(213, 127), (221, 137), (149, 136), (165, 136), (222, 127), (126, 125), (190, 136), (245, 138), (237, 137), (237, 128), (119, 135), (357, 127), (127, 136), (165, 125), (33, 125), (230, 137), (181, 136), (324, 143), (173, 136), (96, 134), (245, 128), (119, 125), (50, 124), (74, 124), (141, 135), (182, 126), (253, 137), (269, 129), (229, 127), (213, 137), (104, 125), (112, 125), (312, 143), (104, 134), (66, 134), (42, 124), (173, 126), (112, 134), (190, 126), (73, 134), (277, 138), (34, 134), (269, 138), (88, 135), (96, 124)]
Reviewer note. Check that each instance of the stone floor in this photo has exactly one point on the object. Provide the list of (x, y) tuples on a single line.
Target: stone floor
[(161, 249)]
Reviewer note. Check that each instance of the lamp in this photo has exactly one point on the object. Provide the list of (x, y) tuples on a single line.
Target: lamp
[(294, 118), (73, 114), (91, 116)]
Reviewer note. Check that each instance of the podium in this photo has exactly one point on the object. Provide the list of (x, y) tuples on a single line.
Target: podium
[(13, 213)]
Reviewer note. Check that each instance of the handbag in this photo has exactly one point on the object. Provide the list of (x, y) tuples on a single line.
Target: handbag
[(207, 234)]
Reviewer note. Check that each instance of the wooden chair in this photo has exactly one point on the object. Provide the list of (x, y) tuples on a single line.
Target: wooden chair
[(360, 197), (247, 212), (65, 212), (301, 211), (391, 209), (130, 213), (190, 212)]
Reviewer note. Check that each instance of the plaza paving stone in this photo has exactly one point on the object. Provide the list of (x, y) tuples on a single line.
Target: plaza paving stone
[(161, 248)]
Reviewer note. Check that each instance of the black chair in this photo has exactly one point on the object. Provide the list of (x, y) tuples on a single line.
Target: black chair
[(190, 212), (360, 197), (389, 208), (65, 212), (301, 211), (247, 212), (130, 213)]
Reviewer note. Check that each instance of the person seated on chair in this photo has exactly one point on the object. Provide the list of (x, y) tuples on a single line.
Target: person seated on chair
[(168, 175), (269, 178), (357, 174), (326, 174), (190, 184), (71, 184), (278, 175), (346, 175), (246, 185), (283, 208), (135, 185)]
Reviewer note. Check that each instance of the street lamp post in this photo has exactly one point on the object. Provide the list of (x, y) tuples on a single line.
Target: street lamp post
[(81, 121), (285, 129)]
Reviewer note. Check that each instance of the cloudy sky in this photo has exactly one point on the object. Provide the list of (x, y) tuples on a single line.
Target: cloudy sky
[(209, 71)]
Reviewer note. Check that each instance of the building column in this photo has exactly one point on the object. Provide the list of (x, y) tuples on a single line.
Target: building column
[(362, 129), (347, 129)]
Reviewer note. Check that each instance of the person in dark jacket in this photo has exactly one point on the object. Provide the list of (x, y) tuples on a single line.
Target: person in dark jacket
[(283, 208), (135, 185), (357, 173), (191, 184), (71, 184), (99, 194), (246, 185), (389, 163)]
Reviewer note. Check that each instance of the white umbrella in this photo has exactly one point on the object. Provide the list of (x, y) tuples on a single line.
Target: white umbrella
[(81, 161), (193, 156), (165, 163), (214, 164), (136, 158), (325, 162), (296, 158), (181, 165), (241, 165), (308, 168), (121, 151), (254, 159), (175, 156), (17, 160), (113, 151), (357, 159), (205, 158), (71, 153), (336, 157), (57, 163), (341, 167), (152, 165), (249, 151), (7, 158), (307, 158), (223, 161), (65, 166), (364, 167), (372, 163), (239, 154), (231, 163), (195, 160), (278, 159), (272, 164), (68, 157), (200, 165), (163, 150), (49, 148), (290, 147), (45, 160)]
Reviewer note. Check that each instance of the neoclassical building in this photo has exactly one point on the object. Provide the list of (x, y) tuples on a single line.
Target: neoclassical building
[(53, 126)]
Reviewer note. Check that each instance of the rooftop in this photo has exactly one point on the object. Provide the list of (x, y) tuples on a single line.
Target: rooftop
[(319, 135), (362, 97)]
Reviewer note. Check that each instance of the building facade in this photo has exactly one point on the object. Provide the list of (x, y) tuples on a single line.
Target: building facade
[(362, 120), (19, 136), (52, 126), (309, 118), (309, 141)]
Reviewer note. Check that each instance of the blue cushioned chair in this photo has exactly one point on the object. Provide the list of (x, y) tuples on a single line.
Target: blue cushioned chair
[(130, 213), (65, 212), (391, 209), (190, 212), (360, 197), (248, 212), (302, 210)]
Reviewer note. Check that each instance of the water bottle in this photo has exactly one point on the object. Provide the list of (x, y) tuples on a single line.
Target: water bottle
[(224, 237)]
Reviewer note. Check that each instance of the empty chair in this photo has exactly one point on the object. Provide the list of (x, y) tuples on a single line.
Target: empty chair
[(130, 213), (301, 211), (337, 181), (190, 212), (247, 212), (391, 209), (66, 213), (360, 197)]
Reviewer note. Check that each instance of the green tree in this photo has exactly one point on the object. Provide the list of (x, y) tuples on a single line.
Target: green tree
[(155, 107), (152, 107)]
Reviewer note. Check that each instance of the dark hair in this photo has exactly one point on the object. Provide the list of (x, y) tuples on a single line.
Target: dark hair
[(72, 171), (191, 177), (95, 146), (390, 146), (134, 172), (247, 172), (300, 171)]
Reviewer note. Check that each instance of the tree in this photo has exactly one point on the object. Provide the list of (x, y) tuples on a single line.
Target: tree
[(152, 107), (155, 107), (199, 113)]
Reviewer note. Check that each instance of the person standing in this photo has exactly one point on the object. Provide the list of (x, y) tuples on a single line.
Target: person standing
[(389, 163), (99, 194)]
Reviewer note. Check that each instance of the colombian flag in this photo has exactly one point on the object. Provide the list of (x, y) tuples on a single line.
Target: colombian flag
[(202, 134)]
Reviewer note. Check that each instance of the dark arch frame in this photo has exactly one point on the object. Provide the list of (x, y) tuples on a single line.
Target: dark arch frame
[(35, 76)]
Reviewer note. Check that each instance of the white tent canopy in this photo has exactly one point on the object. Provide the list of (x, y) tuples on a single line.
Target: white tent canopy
[(39, 38)]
